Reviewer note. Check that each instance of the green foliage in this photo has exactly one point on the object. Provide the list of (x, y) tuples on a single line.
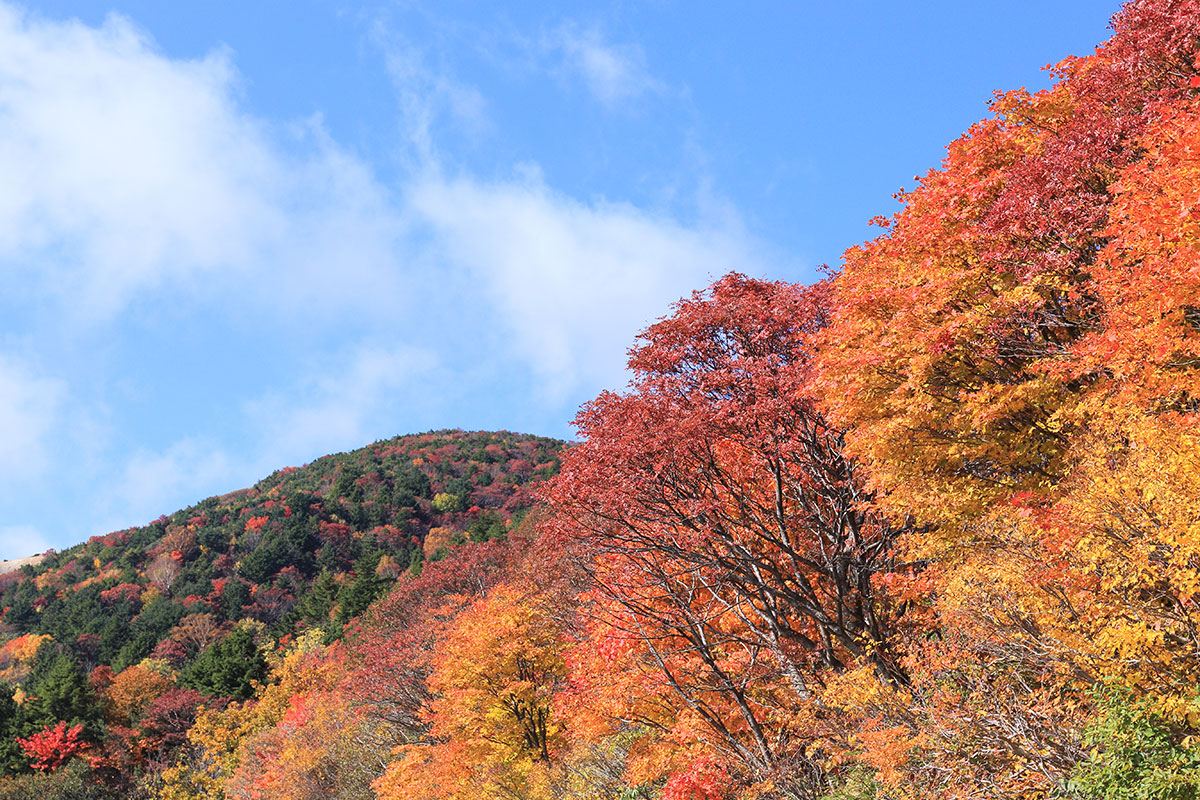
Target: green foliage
[(214, 538), (148, 629), (1136, 755), (489, 525), (298, 530), (61, 693), (318, 535), (267, 559), (320, 599), (347, 485), (11, 758), (114, 634), (75, 613), (327, 559), (21, 613), (73, 782), (135, 649), (366, 586), (235, 595), (857, 784), (228, 668)]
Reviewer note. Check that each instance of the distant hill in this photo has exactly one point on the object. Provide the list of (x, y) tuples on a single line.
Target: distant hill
[(306, 546), (14, 564)]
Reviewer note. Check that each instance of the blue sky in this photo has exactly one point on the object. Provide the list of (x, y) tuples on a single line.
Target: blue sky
[(238, 236)]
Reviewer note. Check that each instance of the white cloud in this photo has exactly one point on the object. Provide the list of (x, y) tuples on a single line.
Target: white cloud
[(154, 483), (131, 177), (613, 73), (126, 171), (129, 174), (335, 408), (121, 162), (573, 282), (429, 98), (29, 406)]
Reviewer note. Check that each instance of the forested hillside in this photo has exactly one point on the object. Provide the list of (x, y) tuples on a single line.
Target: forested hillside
[(927, 529), (120, 638)]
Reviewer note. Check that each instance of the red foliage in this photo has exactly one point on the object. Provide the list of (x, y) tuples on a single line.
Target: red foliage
[(389, 535), (110, 540), (53, 747), (335, 532), (100, 678), (271, 603), (169, 716), (122, 591), (953, 354), (714, 486), (705, 779), (170, 651)]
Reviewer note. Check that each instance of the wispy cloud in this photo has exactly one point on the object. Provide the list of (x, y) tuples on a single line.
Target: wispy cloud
[(339, 405), (613, 73), (29, 410), (431, 101), (127, 172), (573, 281), (151, 481), (136, 181)]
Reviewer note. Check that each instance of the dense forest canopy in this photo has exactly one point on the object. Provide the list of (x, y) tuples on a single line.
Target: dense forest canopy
[(928, 528)]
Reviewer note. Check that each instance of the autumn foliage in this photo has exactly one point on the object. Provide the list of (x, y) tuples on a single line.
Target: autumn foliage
[(927, 529), (49, 749)]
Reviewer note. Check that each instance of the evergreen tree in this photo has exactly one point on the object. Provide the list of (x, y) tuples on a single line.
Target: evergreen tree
[(11, 758), (320, 599), (362, 591), (62, 694), (228, 668), (236, 595), (489, 525)]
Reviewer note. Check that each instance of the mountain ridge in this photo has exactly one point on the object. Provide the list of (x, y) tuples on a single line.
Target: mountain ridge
[(301, 547)]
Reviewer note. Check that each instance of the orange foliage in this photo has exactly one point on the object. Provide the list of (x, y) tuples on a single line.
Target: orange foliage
[(965, 339), (883, 536), (131, 690), (16, 656), (437, 539), (198, 631), (491, 719), (1148, 277)]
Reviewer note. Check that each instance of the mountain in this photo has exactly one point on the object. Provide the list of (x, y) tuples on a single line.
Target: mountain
[(305, 546)]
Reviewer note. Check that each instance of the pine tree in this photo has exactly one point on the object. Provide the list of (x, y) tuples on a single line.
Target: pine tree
[(228, 668), (63, 694)]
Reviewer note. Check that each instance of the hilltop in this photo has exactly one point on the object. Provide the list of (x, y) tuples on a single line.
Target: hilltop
[(304, 546)]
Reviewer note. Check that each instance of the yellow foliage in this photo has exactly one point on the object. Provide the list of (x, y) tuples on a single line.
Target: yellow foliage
[(436, 539), (494, 676), (48, 582), (1135, 556), (16, 656), (132, 689), (218, 736)]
